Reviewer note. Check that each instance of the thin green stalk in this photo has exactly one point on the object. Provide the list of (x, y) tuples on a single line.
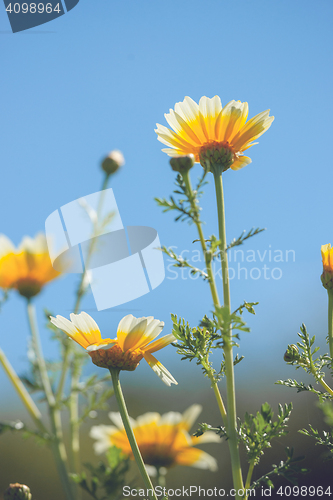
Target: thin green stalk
[(76, 371), (326, 386), (228, 354), (249, 475), (320, 380), (125, 419), (79, 295), (330, 321), (57, 445), (22, 392), (211, 280), (213, 289)]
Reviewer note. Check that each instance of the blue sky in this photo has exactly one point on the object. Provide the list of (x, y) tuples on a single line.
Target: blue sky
[(101, 76)]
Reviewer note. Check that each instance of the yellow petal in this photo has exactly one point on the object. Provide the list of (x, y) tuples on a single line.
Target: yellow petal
[(241, 162), (160, 343)]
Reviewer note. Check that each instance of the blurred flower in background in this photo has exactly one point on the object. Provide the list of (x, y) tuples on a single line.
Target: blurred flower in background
[(164, 440), (28, 268)]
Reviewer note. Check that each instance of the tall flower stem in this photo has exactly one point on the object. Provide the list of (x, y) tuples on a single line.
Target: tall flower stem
[(330, 321), (211, 280), (228, 354), (22, 392), (125, 419), (74, 454), (57, 443)]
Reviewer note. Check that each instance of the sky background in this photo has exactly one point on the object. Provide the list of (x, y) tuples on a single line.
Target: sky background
[(100, 78)]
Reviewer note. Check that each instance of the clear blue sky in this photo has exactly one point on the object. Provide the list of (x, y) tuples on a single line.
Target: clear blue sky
[(100, 78)]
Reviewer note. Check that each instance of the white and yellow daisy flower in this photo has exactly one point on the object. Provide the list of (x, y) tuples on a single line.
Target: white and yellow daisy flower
[(207, 127), (164, 440), (26, 268), (135, 340)]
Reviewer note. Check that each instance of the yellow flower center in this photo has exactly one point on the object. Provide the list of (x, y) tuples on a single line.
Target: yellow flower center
[(116, 358), (215, 154)]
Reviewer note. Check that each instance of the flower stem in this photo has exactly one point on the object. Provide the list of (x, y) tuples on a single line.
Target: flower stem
[(125, 419), (22, 392), (249, 475), (57, 444), (213, 289), (330, 321), (228, 354)]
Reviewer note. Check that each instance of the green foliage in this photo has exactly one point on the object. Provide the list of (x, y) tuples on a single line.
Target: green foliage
[(257, 431), (220, 430), (187, 203), (106, 481), (243, 237), (212, 333), (18, 426), (302, 355), (301, 387), (248, 306), (288, 469), (181, 262), (325, 440)]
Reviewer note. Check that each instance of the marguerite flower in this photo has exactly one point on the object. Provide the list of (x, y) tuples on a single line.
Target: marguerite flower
[(327, 257), (163, 440), (212, 133), (28, 268), (133, 342)]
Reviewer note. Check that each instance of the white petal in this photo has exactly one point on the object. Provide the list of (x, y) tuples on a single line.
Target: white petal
[(126, 323), (64, 324), (191, 414), (160, 370)]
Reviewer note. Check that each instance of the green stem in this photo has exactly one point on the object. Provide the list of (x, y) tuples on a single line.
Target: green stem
[(330, 321), (326, 386), (57, 445), (125, 419), (22, 392), (320, 380), (213, 289), (228, 354), (249, 475), (211, 280)]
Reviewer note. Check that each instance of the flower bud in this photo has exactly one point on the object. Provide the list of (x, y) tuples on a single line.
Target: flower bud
[(17, 491), (113, 162), (182, 164), (291, 354), (327, 257)]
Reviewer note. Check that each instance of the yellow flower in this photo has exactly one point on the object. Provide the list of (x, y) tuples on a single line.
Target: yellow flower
[(133, 342), (28, 268), (163, 440), (327, 257), (211, 132)]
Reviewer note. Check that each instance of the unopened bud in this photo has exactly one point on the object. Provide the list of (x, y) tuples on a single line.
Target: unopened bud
[(182, 164), (327, 258), (17, 491), (291, 354), (113, 162)]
